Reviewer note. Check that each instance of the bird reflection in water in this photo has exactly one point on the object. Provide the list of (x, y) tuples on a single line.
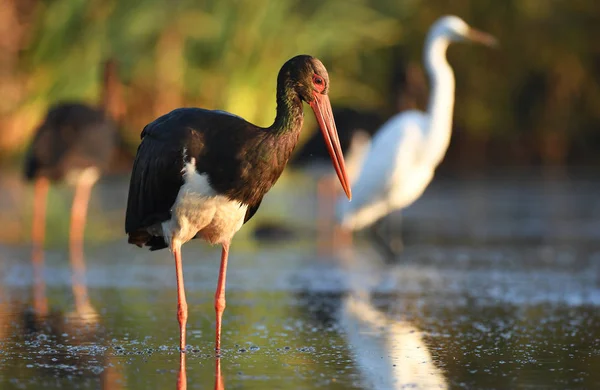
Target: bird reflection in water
[(388, 350), (405, 361), (182, 376), (388, 353), (74, 336), (219, 385)]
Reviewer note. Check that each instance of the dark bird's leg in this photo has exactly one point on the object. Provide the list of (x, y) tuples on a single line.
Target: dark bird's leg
[(79, 209), (394, 232), (327, 195), (182, 377), (219, 385), (112, 376), (220, 295), (388, 251), (42, 185), (342, 237), (182, 308)]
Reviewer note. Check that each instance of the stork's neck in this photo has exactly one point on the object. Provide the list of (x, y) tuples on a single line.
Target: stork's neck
[(285, 130), (290, 115), (441, 101)]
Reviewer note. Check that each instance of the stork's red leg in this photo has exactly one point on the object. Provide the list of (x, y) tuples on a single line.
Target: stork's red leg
[(182, 308), (79, 209), (220, 294), (37, 236), (182, 378)]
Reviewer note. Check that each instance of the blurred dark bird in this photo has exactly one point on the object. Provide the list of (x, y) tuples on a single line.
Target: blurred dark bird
[(74, 143), (404, 154), (203, 174)]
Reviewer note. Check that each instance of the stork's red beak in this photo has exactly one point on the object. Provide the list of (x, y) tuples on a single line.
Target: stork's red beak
[(322, 108)]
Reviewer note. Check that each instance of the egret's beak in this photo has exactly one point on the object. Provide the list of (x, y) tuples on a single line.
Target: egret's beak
[(481, 37), (322, 108)]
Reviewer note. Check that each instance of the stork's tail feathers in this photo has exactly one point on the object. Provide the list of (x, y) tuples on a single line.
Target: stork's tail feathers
[(143, 238)]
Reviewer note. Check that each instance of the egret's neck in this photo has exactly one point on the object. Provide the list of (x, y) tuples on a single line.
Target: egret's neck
[(441, 101)]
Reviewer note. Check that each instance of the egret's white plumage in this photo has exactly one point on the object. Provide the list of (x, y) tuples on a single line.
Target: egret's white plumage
[(359, 145), (404, 153)]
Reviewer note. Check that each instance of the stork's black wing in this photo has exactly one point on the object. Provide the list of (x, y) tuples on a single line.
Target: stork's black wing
[(251, 211), (224, 147), (157, 177)]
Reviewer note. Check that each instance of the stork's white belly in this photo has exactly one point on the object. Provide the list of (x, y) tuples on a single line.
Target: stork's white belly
[(198, 209)]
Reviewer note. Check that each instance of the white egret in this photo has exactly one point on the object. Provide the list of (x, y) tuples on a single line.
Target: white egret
[(404, 153)]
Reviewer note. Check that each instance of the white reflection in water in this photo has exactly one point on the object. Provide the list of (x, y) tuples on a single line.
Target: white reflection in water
[(390, 353)]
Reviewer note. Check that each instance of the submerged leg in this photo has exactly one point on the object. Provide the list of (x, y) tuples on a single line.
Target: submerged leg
[(37, 236), (79, 210), (182, 309), (220, 295)]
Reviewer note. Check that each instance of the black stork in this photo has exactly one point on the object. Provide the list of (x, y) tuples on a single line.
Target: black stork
[(203, 174), (74, 143)]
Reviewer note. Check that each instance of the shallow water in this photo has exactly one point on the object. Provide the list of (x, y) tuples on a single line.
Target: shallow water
[(498, 287)]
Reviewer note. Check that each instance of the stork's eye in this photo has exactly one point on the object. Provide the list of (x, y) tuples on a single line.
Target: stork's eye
[(318, 82)]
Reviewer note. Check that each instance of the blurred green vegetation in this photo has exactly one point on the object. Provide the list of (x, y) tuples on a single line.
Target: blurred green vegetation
[(534, 100)]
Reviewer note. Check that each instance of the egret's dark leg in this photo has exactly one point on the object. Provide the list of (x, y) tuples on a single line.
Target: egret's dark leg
[(79, 209), (182, 309), (219, 385), (41, 187), (380, 241), (220, 295), (394, 232), (182, 377)]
